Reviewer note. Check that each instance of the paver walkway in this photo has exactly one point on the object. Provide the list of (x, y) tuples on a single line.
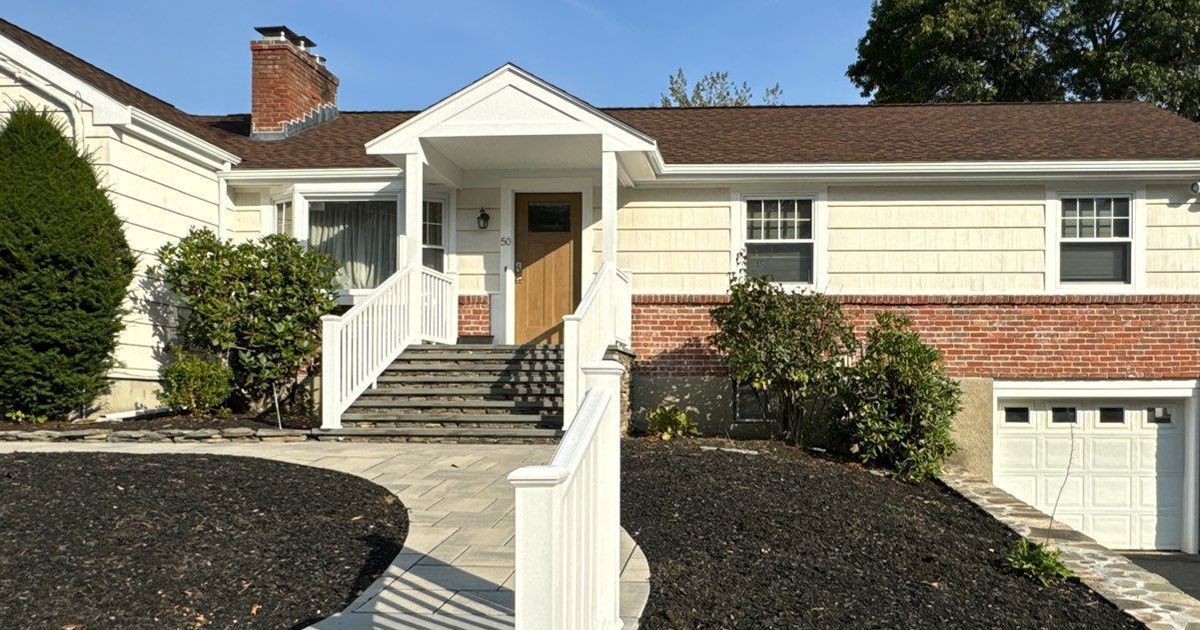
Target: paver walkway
[(456, 568)]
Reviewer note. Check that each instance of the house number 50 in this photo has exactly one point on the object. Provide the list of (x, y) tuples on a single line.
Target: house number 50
[(506, 241)]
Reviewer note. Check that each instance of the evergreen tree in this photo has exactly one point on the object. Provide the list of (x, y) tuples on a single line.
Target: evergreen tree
[(65, 268)]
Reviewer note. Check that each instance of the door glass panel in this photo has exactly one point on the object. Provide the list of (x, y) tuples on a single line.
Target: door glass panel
[(550, 217), (1063, 415), (1158, 415), (1016, 414), (1112, 415)]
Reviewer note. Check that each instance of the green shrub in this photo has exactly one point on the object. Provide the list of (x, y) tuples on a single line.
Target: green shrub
[(20, 417), (899, 401), (1037, 561), (255, 305), (791, 348), (669, 421), (65, 268), (195, 383)]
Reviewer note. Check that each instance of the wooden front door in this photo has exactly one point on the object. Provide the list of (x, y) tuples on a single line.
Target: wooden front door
[(547, 263)]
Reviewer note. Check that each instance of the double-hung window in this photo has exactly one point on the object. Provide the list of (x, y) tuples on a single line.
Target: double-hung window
[(284, 217), (779, 239), (1095, 245), (433, 229)]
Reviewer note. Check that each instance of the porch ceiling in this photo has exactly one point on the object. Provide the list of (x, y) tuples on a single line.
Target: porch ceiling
[(520, 152)]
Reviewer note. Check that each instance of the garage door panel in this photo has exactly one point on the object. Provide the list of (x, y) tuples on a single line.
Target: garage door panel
[(1162, 532), (1160, 454), (1125, 486), (1023, 487), (1110, 453), (1072, 491), (1164, 494), (1057, 452), (1107, 492), (1115, 529), (1018, 452)]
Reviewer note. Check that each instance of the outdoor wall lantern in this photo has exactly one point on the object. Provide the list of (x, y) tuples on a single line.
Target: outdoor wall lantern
[(482, 219)]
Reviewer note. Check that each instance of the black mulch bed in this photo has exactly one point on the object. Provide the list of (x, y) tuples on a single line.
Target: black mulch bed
[(106, 540), (788, 539), (253, 421)]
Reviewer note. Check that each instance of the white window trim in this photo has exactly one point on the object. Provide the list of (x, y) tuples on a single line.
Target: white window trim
[(1137, 238), (300, 222), (820, 231), (447, 220)]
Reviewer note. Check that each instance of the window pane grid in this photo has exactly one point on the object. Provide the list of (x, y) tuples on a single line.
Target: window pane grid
[(779, 239), (779, 220), (1095, 243)]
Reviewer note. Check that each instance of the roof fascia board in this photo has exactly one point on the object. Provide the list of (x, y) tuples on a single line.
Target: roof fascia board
[(179, 141), (928, 170), (310, 174), (106, 110), (405, 137)]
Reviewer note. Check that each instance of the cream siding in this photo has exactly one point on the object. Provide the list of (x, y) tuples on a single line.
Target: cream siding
[(1172, 239), (673, 240), (478, 251), (945, 239), (247, 215), (159, 195)]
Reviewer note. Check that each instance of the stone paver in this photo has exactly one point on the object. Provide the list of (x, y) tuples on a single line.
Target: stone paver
[(1146, 596), (457, 566)]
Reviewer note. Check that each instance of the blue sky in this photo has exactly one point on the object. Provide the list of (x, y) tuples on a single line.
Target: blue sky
[(407, 54)]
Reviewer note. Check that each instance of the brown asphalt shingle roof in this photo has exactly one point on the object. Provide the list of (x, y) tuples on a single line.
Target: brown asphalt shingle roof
[(736, 135)]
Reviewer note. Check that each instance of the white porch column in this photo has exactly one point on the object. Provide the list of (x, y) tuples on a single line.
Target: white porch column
[(608, 204), (410, 254), (606, 375)]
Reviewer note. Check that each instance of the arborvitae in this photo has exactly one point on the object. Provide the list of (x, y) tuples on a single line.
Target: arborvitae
[(65, 268)]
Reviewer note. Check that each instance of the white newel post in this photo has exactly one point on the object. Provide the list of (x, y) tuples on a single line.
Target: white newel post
[(414, 201), (331, 371), (608, 204), (606, 375)]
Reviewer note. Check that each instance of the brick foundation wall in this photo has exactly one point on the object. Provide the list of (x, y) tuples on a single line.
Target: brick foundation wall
[(474, 316), (1003, 337)]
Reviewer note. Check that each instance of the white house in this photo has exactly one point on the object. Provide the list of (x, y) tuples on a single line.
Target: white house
[(1051, 250)]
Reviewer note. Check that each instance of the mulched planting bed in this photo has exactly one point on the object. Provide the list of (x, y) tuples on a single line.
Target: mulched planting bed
[(166, 422), (107, 540), (787, 538)]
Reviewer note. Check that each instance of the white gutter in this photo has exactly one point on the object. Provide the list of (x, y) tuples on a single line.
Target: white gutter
[(928, 170), (290, 174), (173, 138)]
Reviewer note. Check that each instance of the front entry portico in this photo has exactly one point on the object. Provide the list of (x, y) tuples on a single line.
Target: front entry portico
[(507, 141)]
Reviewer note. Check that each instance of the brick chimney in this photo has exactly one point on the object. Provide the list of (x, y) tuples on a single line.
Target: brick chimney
[(290, 88)]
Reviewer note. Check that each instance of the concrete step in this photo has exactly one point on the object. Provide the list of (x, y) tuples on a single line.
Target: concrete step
[(444, 434), (481, 348), (480, 357), (422, 366), (439, 388), (411, 403), (497, 379), (381, 416)]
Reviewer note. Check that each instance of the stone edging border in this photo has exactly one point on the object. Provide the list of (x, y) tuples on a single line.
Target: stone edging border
[(1145, 596), (235, 434)]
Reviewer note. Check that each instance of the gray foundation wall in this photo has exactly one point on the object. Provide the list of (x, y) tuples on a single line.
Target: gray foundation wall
[(708, 400)]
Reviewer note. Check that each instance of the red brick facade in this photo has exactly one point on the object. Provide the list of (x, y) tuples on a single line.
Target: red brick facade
[(287, 85), (474, 316), (1006, 337)]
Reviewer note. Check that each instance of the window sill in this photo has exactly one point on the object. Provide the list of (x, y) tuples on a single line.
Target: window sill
[(1095, 288)]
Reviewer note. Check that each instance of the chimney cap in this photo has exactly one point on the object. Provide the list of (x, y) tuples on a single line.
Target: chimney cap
[(285, 33)]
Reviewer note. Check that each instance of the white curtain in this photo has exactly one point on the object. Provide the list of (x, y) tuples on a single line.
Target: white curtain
[(360, 235)]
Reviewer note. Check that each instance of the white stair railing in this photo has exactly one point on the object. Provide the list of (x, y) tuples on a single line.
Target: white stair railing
[(602, 319), (568, 519), (358, 345), (439, 312)]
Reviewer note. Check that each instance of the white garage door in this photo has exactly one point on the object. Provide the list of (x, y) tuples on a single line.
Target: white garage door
[(1125, 488)]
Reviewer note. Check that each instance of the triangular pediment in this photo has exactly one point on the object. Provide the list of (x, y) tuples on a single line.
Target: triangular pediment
[(509, 102)]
